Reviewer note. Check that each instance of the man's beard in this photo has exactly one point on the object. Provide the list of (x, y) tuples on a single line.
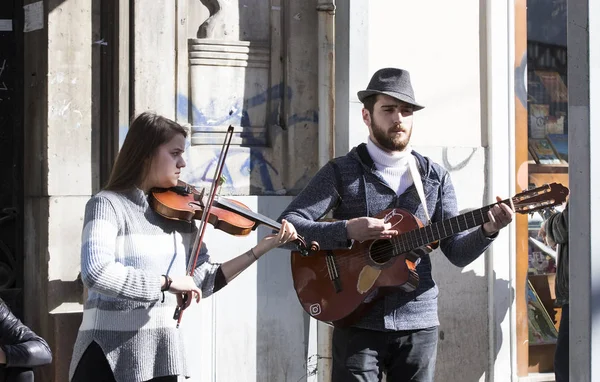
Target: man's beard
[(397, 143)]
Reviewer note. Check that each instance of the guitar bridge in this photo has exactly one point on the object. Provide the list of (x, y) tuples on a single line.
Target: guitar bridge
[(332, 269)]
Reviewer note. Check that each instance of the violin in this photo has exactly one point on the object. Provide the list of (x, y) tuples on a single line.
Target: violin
[(184, 202)]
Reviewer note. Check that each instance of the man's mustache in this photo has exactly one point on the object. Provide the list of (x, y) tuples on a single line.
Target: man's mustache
[(398, 127)]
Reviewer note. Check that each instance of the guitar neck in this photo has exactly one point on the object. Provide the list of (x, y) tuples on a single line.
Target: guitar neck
[(420, 237)]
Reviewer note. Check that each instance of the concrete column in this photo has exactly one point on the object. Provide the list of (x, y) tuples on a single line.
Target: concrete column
[(351, 72), (60, 168), (154, 57), (498, 135), (583, 26), (351, 75)]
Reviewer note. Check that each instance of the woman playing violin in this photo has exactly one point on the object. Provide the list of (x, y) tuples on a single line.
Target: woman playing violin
[(131, 256)]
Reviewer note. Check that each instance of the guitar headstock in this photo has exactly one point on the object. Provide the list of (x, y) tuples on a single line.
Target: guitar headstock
[(548, 195)]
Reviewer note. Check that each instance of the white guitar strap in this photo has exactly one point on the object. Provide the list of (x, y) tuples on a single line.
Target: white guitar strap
[(416, 176)]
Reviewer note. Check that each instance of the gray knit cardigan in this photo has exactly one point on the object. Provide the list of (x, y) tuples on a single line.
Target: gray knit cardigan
[(125, 248), (351, 187)]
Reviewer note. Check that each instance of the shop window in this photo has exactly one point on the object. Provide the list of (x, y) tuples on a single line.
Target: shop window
[(542, 158)]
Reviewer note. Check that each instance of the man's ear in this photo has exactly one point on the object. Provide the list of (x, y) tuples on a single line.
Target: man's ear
[(366, 116)]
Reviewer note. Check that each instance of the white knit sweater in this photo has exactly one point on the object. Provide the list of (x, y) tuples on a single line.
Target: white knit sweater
[(125, 248)]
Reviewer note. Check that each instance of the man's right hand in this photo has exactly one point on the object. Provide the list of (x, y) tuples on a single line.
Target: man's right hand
[(362, 229)]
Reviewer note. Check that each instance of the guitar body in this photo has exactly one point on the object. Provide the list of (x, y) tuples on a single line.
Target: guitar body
[(332, 285)]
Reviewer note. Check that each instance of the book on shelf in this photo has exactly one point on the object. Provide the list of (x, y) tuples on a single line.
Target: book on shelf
[(541, 328), (560, 144), (538, 116), (554, 85), (541, 246), (555, 124), (542, 151)]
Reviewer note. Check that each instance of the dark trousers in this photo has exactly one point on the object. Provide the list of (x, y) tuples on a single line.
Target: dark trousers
[(561, 356), (93, 367), (16, 374), (364, 355)]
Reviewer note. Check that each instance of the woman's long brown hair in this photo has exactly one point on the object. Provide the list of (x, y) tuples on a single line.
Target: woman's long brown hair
[(146, 133)]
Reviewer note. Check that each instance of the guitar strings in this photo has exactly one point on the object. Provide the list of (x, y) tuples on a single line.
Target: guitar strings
[(403, 241)]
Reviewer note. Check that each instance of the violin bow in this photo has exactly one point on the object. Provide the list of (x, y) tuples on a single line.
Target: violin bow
[(197, 247)]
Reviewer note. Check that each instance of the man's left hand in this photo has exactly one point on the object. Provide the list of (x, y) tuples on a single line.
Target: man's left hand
[(499, 217)]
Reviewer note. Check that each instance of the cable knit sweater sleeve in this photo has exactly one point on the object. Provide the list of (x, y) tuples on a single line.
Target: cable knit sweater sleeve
[(99, 270)]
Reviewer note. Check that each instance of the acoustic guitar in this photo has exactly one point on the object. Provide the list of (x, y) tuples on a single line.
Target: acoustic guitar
[(332, 285)]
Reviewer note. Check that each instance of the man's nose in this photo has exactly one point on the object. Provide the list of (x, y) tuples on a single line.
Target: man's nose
[(398, 118), (181, 163)]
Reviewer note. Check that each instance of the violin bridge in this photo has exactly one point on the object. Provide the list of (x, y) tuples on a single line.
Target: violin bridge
[(332, 268)]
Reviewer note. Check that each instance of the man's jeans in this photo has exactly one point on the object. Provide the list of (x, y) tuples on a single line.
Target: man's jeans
[(364, 355)]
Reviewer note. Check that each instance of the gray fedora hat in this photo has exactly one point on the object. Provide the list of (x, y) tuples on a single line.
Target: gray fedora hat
[(393, 82)]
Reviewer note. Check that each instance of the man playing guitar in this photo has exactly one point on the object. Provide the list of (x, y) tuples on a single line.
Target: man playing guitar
[(398, 333)]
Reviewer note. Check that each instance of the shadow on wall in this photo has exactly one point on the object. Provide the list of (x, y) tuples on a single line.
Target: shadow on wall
[(463, 310), (282, 325), (53, 4)]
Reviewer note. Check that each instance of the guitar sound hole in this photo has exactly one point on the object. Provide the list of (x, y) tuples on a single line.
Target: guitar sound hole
[(381, 251)]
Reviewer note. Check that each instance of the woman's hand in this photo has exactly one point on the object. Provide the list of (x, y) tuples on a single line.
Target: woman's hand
[(286, 234), (185, 289)]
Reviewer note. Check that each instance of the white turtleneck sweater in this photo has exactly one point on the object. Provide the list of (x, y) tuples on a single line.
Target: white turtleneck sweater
[(393, 167)]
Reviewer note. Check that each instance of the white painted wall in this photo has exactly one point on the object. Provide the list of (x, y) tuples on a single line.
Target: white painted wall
[(254, 329), (459, 57), (438, 42)]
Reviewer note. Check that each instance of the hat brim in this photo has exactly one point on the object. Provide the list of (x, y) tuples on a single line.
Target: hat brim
[(399, 96)]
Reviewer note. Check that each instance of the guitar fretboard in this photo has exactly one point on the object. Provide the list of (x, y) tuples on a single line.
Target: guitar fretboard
[(408, 241)]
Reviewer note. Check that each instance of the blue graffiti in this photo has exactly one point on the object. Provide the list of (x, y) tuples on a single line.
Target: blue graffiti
[(255, 161), (310, 116), (256, 158), (238, 113)]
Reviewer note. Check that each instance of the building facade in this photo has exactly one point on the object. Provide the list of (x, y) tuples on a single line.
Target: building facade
[(285, 75)]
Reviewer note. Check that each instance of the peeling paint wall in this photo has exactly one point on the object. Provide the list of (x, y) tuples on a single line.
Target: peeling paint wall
[(252, 65)]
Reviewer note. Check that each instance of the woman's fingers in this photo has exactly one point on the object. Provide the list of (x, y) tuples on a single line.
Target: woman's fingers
[(284, 231), (183, 300), (287, 232)]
